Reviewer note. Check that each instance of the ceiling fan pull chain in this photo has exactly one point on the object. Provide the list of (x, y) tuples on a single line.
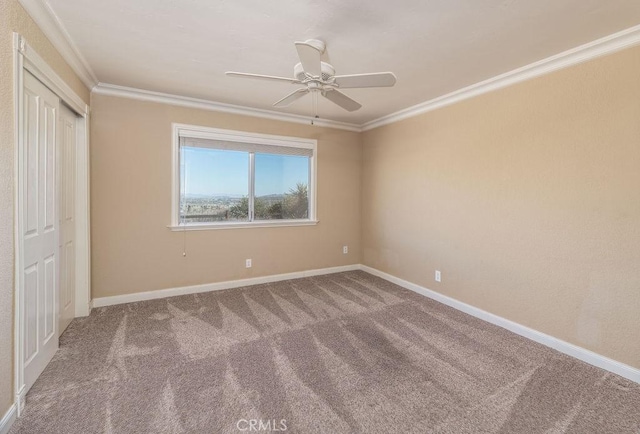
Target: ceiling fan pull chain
[(315, 105)]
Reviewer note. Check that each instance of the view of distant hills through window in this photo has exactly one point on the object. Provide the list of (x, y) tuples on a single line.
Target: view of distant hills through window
[(215, 186)]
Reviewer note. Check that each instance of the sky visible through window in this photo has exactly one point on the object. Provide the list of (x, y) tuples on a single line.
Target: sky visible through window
[(210, 172)]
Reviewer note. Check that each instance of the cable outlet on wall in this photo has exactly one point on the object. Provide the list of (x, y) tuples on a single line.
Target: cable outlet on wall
[(438, 276), (248, 263), (345, 249)]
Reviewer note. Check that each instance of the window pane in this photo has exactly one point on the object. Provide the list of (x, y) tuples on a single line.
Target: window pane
[(281, 184), (214, 185)]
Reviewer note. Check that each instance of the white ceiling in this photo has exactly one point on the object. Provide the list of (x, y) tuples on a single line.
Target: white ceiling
[(434, 47)]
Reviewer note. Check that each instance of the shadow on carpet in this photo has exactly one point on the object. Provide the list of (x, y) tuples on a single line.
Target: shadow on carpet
[(341, 353)]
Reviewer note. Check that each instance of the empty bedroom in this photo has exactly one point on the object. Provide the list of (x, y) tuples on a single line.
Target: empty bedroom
[(319, 217)]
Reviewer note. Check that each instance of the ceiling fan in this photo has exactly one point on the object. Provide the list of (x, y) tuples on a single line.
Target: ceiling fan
[(319, 77)]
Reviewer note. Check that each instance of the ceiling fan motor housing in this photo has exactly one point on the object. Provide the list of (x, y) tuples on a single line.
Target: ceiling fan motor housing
[(327, 72)]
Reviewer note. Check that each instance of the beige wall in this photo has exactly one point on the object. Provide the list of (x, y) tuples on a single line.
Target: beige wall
[(132, 249), (527, 199), (13, 18)]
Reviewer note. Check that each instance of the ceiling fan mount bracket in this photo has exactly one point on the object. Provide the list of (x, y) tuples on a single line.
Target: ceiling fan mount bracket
[(317, 44)]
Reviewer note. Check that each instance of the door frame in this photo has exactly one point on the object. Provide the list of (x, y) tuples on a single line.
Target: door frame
[(27, 59)]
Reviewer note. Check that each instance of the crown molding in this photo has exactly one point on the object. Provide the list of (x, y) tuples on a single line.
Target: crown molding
[(600, 47), (203, 104), (592, 50), (54, 30), (43, 15)]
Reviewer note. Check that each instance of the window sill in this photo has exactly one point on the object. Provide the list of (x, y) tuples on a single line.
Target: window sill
[(238, 225)]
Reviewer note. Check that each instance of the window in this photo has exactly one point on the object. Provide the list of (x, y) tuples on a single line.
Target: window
[(226, 178)]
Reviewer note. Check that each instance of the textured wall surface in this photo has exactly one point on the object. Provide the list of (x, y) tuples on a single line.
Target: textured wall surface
[(6, 210), (527, 199), (132, 249), (13, 18)]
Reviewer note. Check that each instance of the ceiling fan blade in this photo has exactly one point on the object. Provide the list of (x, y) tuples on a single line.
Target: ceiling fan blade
[(309, 58), (376, 79), (342, 100), (261, 77), (284, 102)]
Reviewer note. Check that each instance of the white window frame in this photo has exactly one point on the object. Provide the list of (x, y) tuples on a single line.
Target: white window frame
[(200, 132)]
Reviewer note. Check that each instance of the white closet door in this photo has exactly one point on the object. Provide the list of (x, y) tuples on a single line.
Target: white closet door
[(67, 147), (39, 228)]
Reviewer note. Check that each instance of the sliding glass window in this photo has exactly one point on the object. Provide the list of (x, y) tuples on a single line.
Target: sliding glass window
[(235, 180)]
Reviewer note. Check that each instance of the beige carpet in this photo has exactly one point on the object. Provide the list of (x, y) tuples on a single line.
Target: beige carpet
[(343, 353)]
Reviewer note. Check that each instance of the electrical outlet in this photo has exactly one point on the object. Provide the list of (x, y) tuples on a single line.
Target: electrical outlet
[(248, 263), (438, 276), (345, 249)]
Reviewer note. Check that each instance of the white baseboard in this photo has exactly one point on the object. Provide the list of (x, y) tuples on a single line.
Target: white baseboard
[(579, 353), (184, 290), (8, 419), (21, 400)]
